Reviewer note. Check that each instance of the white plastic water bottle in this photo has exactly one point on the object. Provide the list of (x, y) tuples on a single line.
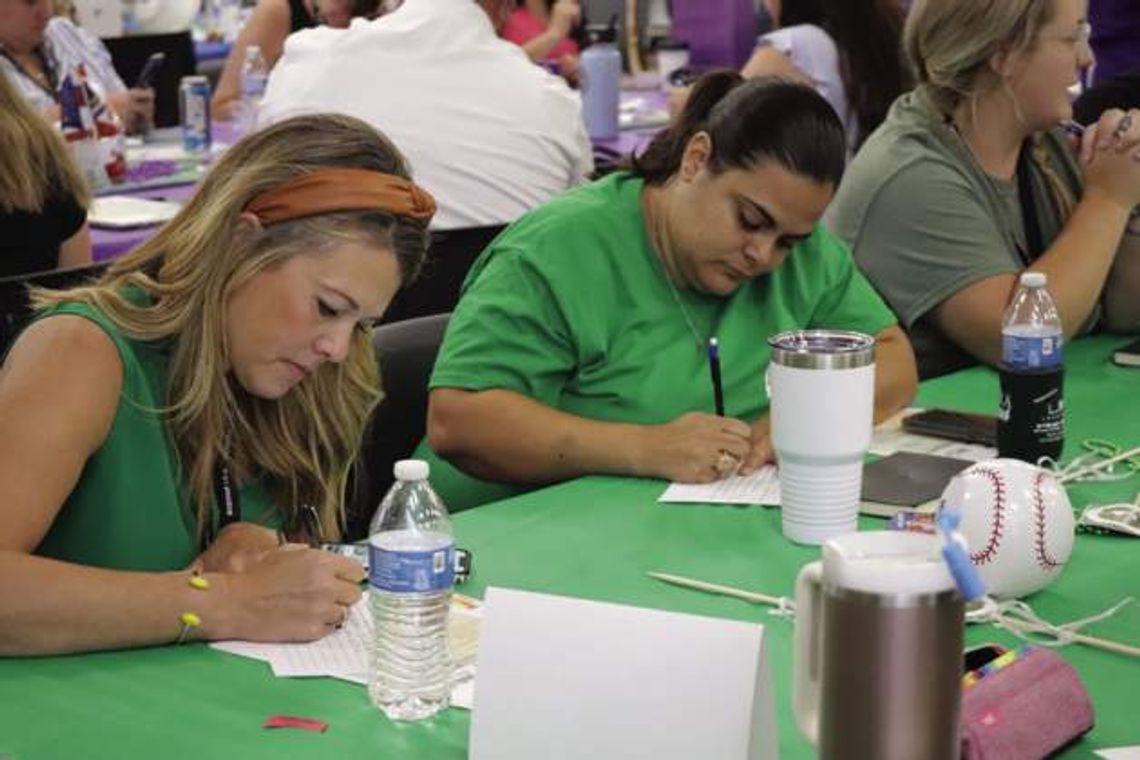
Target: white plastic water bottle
[(411, 572), (254, 76), (1031, 419)]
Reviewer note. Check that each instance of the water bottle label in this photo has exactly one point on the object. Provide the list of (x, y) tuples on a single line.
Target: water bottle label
[(1031, 352), (403, 571)]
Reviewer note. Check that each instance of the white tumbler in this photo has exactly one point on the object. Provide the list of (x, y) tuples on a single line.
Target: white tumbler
[(821, 386)]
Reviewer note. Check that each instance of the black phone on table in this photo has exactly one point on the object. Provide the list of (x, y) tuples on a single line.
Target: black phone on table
[(1128, 355), (150, 70), (967, 427)]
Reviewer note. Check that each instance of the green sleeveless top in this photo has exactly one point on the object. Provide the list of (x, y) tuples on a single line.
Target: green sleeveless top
[(131, 509)]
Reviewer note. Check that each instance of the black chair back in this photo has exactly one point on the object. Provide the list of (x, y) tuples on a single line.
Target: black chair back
[(450, 256), (130, 53), (16, 306), (407, 352)]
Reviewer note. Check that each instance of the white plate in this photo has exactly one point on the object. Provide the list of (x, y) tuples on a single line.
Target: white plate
[(122, 212)]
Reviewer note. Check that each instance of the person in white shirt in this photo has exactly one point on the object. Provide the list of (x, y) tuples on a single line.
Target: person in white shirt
[(490, 134)]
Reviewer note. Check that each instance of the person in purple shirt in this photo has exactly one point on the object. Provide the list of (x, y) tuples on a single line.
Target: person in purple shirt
[(1115, 37)]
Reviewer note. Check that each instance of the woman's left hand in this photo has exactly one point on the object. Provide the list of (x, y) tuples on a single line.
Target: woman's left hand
[(761, 452), (237, 547)]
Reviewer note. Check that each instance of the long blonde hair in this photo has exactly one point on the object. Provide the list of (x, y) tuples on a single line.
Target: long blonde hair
[(304, 442), (34, 162), (950, 44)]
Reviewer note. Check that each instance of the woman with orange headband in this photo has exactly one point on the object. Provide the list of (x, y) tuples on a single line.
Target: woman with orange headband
[(168, 428)]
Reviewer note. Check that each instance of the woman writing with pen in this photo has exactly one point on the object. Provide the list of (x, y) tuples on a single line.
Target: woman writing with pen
[(581, 341), (166, 428)]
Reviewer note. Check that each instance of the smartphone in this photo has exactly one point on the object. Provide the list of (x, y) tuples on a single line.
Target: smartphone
[(150, 70), (955, 426), (1128, 356)]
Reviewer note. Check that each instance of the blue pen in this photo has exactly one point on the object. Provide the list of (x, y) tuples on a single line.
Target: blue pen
[(714, 371)]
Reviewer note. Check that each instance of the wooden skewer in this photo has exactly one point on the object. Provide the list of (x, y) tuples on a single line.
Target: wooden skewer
[(748, 596), (1098, 466), (1081, 638)]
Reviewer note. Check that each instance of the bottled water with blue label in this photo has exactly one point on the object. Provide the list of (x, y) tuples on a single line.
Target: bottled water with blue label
[(411, 572), (254, 77), (1031, 421)]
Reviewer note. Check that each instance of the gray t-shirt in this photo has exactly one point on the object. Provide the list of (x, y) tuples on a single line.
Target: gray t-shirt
[(924, 220)]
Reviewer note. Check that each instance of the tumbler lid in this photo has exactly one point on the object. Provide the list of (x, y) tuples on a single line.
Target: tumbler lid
[(822, 349), (886, 562)]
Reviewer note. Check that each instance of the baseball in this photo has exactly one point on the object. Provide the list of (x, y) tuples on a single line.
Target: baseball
[(1017, 521)]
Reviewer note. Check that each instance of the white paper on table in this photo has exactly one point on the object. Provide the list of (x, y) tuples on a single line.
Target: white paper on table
[(1120, 753), (889, 438), (761, 487), (344, 653)]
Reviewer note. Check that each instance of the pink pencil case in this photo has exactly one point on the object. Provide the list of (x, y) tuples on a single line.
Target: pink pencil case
[(1026, 703)]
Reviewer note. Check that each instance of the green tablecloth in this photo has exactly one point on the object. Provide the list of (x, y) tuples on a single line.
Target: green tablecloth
[(592, 538)]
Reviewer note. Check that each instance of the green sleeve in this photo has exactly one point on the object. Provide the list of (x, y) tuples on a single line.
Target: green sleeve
[(926, 236), (508, 331), (848, 301)]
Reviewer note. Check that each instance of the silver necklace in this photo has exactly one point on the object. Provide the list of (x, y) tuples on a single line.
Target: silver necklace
[(701, 343)]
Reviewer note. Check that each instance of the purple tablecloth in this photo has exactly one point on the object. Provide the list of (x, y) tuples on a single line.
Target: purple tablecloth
[(109, 244)]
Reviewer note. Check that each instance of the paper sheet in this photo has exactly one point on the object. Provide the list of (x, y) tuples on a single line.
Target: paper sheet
[(1120, 753), (344, 653), (761, 487)]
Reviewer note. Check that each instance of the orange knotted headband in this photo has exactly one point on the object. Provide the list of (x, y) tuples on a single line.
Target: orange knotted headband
[(328, 190)]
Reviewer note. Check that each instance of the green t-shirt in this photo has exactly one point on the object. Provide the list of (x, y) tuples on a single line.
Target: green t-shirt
[(570, 306), (924, 220), (131, 508)]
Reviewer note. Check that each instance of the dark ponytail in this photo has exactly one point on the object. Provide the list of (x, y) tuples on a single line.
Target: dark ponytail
[(662, 158), (749, 122)]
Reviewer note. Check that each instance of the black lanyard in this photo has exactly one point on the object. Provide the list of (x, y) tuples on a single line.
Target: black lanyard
[(49, 71), (1033, 238)]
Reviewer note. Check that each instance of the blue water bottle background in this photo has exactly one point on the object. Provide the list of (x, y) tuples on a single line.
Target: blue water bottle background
[(600, 70), (1031, 418), (411, 572), (1032, 335)]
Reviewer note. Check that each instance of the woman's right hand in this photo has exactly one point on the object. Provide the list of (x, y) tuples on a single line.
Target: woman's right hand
[(1110, 157), (293, 593), (695, 448)]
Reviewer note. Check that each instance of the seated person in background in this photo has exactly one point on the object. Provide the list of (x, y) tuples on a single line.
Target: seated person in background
[(969, 182), (223, 358), (579, 345), (37, 51), (1115, 37), (490, 134), (43, 197), (268, 26), (848, 50), (543, 29)]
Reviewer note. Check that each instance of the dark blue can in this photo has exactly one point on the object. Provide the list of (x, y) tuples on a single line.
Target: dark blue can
[(194, 106)]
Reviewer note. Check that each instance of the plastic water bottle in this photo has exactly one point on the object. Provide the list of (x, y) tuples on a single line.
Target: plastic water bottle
[(1031, 422), (411, 572), (254, 76), (600, 70)]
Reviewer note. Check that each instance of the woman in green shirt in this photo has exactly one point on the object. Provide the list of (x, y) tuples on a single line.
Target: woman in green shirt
[(579, 343), (168, 426)]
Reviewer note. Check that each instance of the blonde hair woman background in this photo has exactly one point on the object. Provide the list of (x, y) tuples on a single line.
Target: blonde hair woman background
[(216, 382), (43, 198), (970, 181)]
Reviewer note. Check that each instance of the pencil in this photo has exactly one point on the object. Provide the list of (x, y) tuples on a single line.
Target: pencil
[(714, 371)]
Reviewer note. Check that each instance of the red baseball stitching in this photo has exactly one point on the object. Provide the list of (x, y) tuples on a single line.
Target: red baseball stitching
[(1040, 551), (997, 527)]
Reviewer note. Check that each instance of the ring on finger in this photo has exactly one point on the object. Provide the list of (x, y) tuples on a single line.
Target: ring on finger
[(726, 461)]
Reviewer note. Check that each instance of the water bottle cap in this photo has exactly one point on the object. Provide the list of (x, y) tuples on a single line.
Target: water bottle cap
[(1033, 279), (411, 469)]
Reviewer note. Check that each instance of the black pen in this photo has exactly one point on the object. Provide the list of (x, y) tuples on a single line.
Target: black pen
[(714, 371)]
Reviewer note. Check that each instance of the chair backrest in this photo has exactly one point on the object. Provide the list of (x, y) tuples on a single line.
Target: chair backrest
[(130, 53), (450, 255), (16, 306), (407, 352)]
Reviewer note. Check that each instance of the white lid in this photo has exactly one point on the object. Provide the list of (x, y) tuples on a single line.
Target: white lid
[(886, 562), (1033, 279), (411, 469)]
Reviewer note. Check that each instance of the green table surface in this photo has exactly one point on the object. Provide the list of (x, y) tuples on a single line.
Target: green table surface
[(592, 538)]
